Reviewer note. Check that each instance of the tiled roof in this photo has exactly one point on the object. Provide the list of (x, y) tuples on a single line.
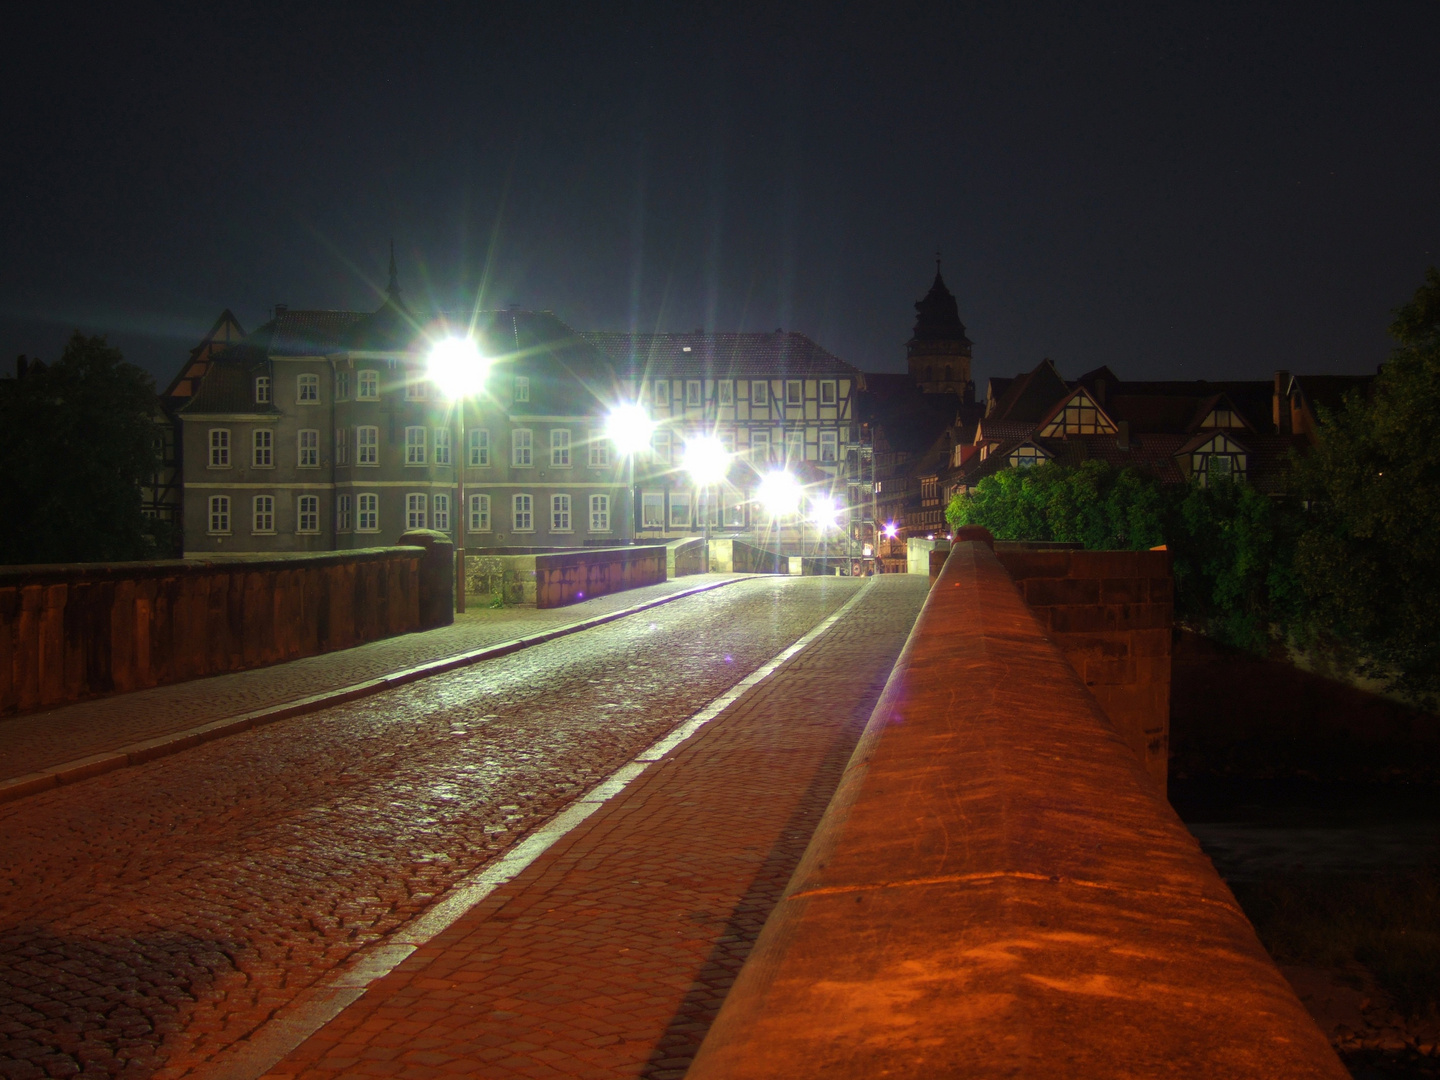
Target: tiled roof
[(1030, 396), (991, 430), (1330, 390), (780, 353), (305, 333), (229, 387)]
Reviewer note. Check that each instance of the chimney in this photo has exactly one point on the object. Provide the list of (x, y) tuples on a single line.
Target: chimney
[(1122, 436), (1280, 402)]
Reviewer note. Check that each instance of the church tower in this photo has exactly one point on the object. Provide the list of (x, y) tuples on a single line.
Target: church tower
[(939, 351)]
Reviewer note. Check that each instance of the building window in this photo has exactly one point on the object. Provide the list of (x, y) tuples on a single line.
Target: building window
[(652, 510), (829, 447), (307, 514), (342, 446), (727, 441), (343, 521), (367, 445), (414, 446), (442, 446), (263, 520), (1026, 456), (662, 394), (793, 392), (309, 455), (827, 392), (479, 513), (599, 450), (479, 444), (599, 513), (660, 447), (560, 513), (369, 516), (522, 388), (308, 390), (727, 392), (440, 504), (369, 386), (262, 454), (415, 389), (759, 393), (760, 446), (415, 511), (219, 514), (679, 508), (521, 444), (219, 448), (735, 514), (262, 390), (342, 386), (692, 393), (522, 511), (794, 446), (559, 448)]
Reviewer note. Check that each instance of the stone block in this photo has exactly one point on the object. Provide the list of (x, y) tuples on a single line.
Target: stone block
[(1048, 592), (1129, 590), (1023, 565)]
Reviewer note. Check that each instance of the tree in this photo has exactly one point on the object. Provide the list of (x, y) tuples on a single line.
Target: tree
[(75, 448), (1368, 563)]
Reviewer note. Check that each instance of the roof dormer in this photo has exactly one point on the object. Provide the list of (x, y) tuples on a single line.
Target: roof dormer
[(1078, 414)]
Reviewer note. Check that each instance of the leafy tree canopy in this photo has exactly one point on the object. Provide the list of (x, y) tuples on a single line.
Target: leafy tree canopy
[(76, 444)]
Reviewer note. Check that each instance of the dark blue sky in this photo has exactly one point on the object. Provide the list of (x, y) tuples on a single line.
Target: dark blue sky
[(1175, 190)]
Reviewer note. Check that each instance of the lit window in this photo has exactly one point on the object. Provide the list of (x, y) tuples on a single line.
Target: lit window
[(369, 386), (522, 388), (522, 510), (263, 448), (759, 393), (479, 444), (652, 510), (263, 520), (793, 392), (309, 455), (599, 450), (342, 386), (308, 514), (415, 390), (727, 392), (219, 448), (479, 513), (827, 392), (829, 447), (219, 513), (560, 448), (442, 446), (343, 521), (559, 513), (367, 445), (521, 445), (415, 511), (680, 508), (440, 504), (599, 513), (262, 390), (308, 389), (414, 446), (369, 517), (660, 447), (692, 393)]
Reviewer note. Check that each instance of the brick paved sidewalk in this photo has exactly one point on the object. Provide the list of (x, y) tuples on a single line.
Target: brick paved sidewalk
[(43, 740), (610, 955)]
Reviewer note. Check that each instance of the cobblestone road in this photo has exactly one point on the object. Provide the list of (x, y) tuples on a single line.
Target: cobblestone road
[(151, 917)]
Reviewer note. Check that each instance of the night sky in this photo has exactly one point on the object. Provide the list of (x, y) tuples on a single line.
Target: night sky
[(1178, 191)]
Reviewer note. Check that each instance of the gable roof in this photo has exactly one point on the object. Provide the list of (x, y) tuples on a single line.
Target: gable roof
[(1030, 396), (718, 354), (225, 332)]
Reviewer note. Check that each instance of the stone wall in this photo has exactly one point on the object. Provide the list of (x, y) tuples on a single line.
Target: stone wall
[(74, 632), (557, 579), (739, 557), (998, 888)]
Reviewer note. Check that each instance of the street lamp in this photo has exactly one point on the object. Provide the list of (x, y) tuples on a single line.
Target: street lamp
[(629, 427), (823, 513), (779, 493), (707, 461), (458, 369)]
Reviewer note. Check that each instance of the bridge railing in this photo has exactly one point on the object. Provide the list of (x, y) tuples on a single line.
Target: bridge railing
[(998, 888)]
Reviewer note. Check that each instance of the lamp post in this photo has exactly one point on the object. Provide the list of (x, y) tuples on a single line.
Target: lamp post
[(629, 427), (707, 461), (779, 493), (458, 368)]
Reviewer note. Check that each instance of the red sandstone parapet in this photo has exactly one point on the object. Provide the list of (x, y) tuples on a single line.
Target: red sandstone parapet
[(74, 632), (999, 889), (563, 578)]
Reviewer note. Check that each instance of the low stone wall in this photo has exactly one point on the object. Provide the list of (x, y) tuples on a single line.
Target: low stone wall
[(998, 888), (685, 557), (1111, 613), (556, 579), (739, 557), (80, 631)]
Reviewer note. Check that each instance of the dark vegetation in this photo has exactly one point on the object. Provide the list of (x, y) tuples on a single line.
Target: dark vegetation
[(76, 444)]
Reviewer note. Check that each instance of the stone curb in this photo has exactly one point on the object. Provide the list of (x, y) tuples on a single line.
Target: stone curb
[(70, 772)]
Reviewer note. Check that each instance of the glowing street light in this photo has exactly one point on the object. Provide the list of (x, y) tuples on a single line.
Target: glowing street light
[(629, 427), (891, 530), (707, 461), (824, 511), (458, 368), (779, 493)]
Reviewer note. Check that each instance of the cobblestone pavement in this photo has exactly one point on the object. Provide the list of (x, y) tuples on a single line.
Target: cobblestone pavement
[(611, 954), (43, 740), (151, 917)]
